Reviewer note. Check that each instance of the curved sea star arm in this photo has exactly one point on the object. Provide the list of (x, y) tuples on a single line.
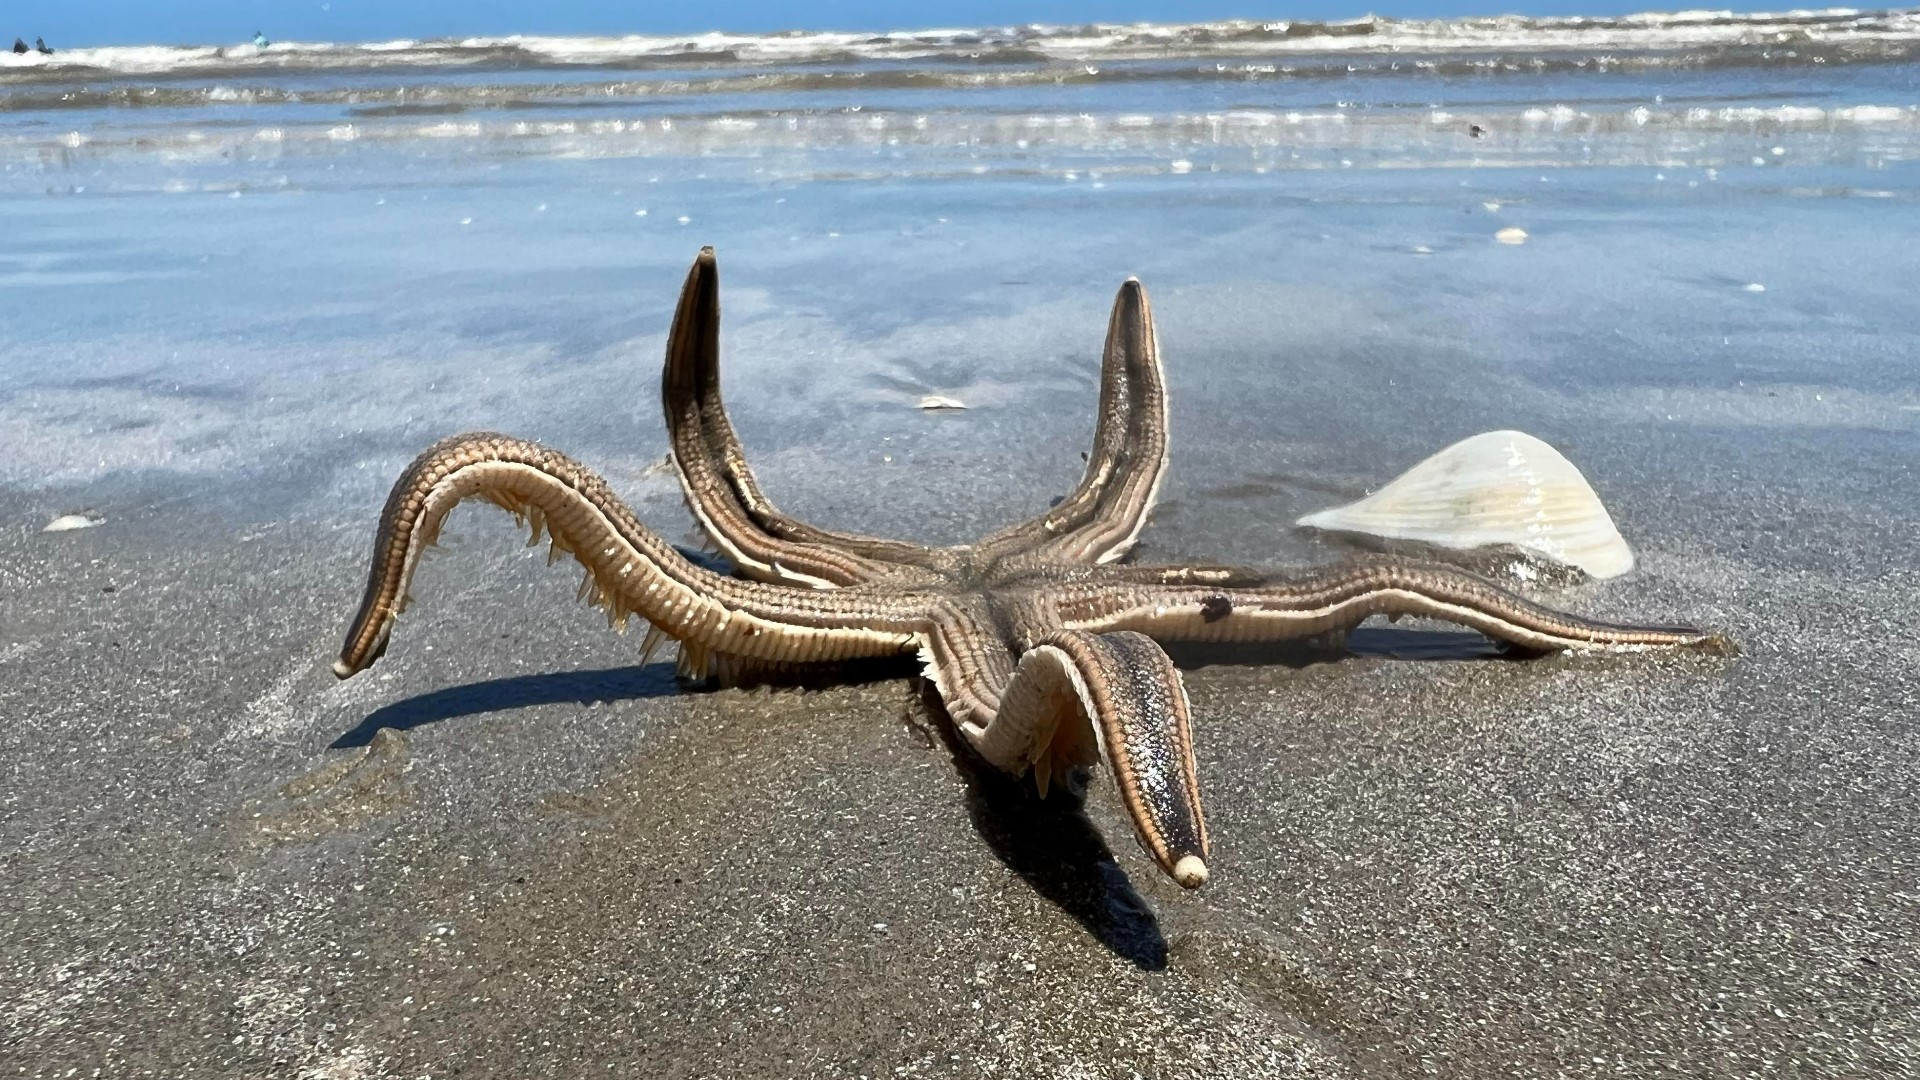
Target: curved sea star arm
[(720, 487), (1336, 599), (630, 569), (1076, 698), (1100, 520)]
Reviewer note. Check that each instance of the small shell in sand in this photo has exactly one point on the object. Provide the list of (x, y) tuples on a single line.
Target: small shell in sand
[(1500, 488), (1511, 235), (941, 403), (69, 522)]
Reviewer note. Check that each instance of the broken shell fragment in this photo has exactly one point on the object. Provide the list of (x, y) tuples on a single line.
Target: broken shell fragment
[(1499, 488), (69, 522)]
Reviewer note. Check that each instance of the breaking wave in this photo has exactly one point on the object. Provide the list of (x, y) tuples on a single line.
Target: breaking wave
[(1697, 37), (1698, 88)]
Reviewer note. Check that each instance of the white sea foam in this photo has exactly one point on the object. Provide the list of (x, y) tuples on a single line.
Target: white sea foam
[(1411, 37), (909, 103)]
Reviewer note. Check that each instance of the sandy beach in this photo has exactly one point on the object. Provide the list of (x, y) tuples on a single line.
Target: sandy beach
[(510, 850)]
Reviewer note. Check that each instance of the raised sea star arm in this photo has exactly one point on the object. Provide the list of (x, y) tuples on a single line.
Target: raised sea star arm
[(1074, 699), (762, 542), (630, 569), (1335, 599), (1102, 518), (1098, 522)]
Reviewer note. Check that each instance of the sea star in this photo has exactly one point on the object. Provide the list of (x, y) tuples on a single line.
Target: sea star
[(1043, 648)]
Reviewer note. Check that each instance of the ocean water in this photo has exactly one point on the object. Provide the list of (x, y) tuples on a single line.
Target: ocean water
[(301, 263)]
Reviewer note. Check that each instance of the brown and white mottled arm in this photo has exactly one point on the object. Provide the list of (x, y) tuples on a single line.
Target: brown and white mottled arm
[(630, 569), (720, 487), (1102, 518), (1074, 699), (1338, 598)]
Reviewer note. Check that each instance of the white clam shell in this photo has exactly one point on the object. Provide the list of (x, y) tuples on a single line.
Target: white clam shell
[(1500, 488)]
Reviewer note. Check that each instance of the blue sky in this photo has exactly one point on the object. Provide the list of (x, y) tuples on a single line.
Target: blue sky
[(127, 22)]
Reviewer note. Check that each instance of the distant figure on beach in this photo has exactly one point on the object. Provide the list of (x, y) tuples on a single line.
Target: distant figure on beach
[(40, 46), (19, 46), (260, 40)]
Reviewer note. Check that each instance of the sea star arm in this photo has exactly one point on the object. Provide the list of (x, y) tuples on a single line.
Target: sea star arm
[(1074, 699), (720, 487), (630, 569), (1336, 599), (1103, 516)]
